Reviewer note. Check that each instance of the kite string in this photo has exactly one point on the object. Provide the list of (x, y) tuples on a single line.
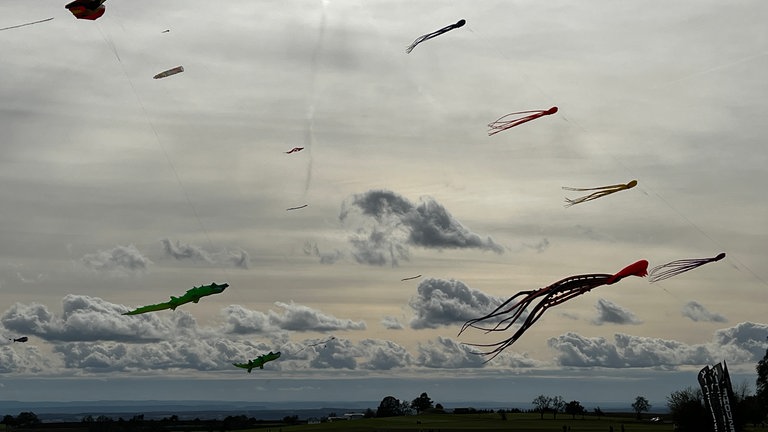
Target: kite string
[(160, 143)]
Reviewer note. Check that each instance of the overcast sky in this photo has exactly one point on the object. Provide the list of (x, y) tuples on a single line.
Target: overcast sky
[(119, 190)]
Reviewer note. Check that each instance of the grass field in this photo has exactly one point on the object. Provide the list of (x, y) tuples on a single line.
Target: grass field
[(486, 422)]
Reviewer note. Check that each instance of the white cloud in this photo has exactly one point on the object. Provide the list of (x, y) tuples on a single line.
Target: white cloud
[(391, 323), (294, 317), (743, 343)]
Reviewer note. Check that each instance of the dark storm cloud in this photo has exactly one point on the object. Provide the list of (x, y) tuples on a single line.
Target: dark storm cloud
[(609, 312), (697, 312), (441, 302), (387, 223)]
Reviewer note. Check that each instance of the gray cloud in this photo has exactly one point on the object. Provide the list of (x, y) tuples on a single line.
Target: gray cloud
[(23, 359), (310, 248), (336, 354), (441, 302), (445, 353), (87, 318), (389, 223), (118, 261), (184, 353), (609, 312), (696, 312), (742, 343), (294, 317), (303, 318), (391, 323), (385, 355), (184, 251)]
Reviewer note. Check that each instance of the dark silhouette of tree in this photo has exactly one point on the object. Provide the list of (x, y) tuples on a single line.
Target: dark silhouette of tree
[(574, 408), (761, 385), (422, 403), (556, 404), (541, 404), (369, 413), (688, 411), (27, 418), (640, 406), (389, 407), (8, 420), (598, 412)]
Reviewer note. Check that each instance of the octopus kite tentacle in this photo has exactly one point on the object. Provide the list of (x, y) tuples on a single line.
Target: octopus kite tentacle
[(602, 191), (501, 124), (674, 268), (547, 297), (435, 33)]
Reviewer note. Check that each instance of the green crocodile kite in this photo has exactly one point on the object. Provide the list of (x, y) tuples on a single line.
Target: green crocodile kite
[(258, 361), (193, 295)]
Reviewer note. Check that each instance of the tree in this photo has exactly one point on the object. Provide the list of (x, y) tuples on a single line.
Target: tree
[(389, 407), (761, 385), (556, 404), (688, 412), (640, 406), (422, 403), (598, 412), (27, 418), (541, 404), (574, 408)]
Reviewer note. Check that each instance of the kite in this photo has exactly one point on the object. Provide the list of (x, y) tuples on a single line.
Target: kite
[(317, 343), (547, 297), (169, 72), (258, 361), (296, 208), (501, 124), (674, 268), (436, 33), (410, 278), (192, 295), (601, 192), (21, 339), (294, 150), (87, 9), (25, 24)]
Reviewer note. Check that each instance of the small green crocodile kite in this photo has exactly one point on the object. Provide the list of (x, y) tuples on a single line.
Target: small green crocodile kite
[(193, 295), (258, 361)]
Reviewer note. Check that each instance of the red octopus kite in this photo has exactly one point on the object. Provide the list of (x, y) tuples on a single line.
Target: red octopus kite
[(547, 297), (506, 121)]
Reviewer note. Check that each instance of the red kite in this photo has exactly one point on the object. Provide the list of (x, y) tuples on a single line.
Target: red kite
[(501, 124), (552, 295), (87, 9)]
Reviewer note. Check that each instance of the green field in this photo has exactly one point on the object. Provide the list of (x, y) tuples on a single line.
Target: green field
[(486, 422)]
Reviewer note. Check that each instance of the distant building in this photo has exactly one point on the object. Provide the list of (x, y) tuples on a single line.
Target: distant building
[(354, 416)]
